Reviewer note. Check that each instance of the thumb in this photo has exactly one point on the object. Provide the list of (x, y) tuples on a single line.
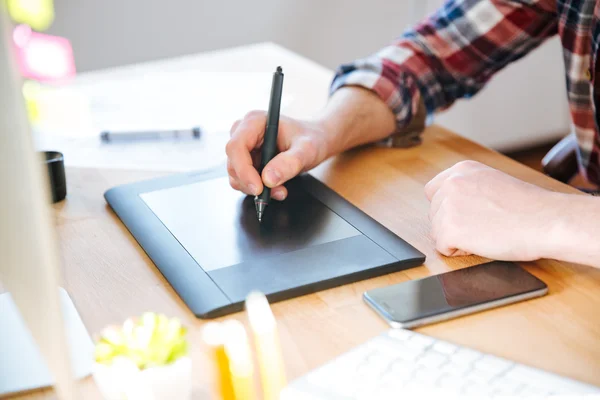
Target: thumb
[(285, 166)]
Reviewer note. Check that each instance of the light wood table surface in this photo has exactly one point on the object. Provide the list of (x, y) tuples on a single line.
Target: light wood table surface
[(110, 278)]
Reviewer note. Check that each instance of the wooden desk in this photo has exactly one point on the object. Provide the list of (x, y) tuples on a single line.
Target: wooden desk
[(110, 278)]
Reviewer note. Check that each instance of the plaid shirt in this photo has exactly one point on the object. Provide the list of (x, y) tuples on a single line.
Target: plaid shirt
[(453, 53)]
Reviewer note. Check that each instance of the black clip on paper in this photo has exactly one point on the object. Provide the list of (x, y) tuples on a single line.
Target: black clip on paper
[(55, 166)]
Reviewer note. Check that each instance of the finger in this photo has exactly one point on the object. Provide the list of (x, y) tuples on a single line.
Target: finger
[(256, 158), (461, 167), (244, 139), (461, 253), (439, 233), (286, 165), (231, 170), (234, 184), (444, 242), (436, 203), (435, 184), (437, 223), (454, 253), (234, 181), (444, 249), (234, 127), (434, 230), (279, 193)]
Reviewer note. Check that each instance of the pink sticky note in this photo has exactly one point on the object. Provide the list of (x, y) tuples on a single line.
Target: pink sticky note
[(42, 57)]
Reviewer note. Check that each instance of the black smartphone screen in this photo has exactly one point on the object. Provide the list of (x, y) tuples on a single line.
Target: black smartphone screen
[(453, 291)]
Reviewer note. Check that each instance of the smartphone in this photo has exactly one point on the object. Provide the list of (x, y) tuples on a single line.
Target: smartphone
[(453, 294)]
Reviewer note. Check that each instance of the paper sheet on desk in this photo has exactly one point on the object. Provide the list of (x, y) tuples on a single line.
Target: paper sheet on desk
[(167, 156), (160, 100)]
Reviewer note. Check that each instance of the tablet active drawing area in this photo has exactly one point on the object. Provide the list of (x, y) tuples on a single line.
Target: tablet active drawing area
[(218, 225)]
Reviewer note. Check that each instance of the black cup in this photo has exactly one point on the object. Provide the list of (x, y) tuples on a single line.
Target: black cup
[(55, 165)]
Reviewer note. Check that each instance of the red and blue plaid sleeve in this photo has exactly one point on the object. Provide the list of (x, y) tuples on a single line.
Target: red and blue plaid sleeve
[(452, 54)]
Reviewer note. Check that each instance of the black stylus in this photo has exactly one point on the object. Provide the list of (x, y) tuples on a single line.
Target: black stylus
[(269, 146)]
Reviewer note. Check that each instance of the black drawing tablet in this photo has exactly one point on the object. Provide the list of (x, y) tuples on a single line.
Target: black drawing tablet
[(205, 239)]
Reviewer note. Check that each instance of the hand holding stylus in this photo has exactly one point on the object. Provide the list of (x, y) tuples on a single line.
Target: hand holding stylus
[(301, 146)]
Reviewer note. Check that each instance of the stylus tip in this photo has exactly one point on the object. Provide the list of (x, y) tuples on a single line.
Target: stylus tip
[(260, 208)]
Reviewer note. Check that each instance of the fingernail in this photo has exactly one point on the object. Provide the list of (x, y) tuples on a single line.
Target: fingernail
[(272, 177), (252, 189), (279, 195)]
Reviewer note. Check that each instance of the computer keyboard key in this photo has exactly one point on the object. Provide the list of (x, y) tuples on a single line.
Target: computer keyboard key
[(377, 362), (531, 392), (432, 360), (475, 389), (427, 376), (356, 355), (396, 350), (417, 390), (493, 364), (444, 348), (466, 356), (401, 369), (420, 341), (456, 369), (383, 393), (449, 382), (481, 377), (392, 378), (507, 387), (400, 334), (344, 367)]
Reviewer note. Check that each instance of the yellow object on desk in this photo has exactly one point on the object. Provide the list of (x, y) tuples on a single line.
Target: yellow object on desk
[(212, 335), (145, 358), (240, 360), (268, 349), (149, 341)]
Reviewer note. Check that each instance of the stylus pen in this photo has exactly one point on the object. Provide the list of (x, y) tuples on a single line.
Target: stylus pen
[(111, 136), (269, 146)]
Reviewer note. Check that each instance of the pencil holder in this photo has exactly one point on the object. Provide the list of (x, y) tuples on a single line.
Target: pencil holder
[(145, 359), (55, 167)]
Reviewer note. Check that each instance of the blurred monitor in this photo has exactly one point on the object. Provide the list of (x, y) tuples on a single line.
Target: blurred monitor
[(40, 326)]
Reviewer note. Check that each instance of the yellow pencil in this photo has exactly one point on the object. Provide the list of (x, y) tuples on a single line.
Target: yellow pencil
[(268, 349), (240, 360), (212, 334)]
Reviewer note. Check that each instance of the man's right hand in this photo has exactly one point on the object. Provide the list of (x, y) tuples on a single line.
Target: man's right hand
[(352, 116), (301, 146)]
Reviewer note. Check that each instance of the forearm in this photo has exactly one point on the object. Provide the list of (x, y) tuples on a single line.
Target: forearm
[(575, 236), (448, 56), (354, 116)]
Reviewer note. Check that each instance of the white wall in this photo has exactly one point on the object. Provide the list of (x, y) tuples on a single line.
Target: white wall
[(114, 32), (525, 104)]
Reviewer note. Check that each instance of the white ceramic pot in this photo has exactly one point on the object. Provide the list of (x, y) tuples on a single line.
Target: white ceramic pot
[(123, 380)]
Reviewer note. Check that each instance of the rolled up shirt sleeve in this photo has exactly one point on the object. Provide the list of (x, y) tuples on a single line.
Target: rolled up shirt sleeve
[(450, 55)]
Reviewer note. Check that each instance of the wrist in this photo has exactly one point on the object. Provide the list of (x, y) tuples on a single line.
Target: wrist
[(571, 233), (354, 116), (330, 135)]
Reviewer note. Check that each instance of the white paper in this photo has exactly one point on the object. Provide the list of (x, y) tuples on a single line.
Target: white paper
[(73, 117)]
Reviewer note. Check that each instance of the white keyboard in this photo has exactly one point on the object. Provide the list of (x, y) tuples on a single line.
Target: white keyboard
[(400, 362)]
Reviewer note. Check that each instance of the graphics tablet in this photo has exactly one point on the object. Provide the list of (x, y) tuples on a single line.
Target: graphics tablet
[(205, 239)]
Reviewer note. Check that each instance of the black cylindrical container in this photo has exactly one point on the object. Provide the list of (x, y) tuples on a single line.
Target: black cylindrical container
[(55, 165)]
